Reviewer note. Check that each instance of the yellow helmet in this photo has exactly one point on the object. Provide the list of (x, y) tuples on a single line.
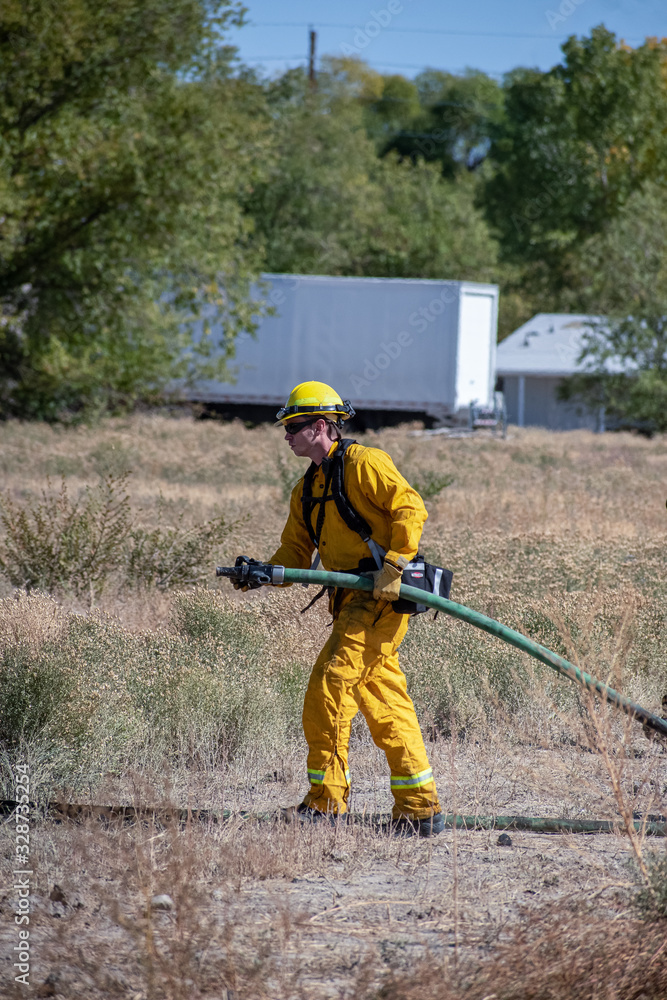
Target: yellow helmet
[(310, 398)]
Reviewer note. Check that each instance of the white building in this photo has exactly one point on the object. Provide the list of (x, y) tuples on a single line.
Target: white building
[(533, 360)]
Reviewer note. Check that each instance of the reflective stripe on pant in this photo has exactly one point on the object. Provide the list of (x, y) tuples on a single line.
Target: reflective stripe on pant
[(358, 670)]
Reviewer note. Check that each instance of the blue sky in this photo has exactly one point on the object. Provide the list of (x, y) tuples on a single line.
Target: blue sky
[(405, 36)]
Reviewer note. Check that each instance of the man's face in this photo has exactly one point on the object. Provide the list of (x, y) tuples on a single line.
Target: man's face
[(300, 434)]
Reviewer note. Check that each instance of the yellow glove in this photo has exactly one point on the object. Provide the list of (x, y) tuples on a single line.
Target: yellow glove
[(387, 581)]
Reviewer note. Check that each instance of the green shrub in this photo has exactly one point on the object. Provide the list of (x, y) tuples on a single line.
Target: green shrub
[(99, 698), (173, 556), (201, 614), (432, 484), (38, 697), (61, 545), (58, 543), (291, 684), (459, 675)]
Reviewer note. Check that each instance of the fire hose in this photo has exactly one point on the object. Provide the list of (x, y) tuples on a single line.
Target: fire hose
[(276, 575), (264, 574), (255, 574)]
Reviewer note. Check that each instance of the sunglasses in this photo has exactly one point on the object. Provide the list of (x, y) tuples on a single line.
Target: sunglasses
[(294, 428)]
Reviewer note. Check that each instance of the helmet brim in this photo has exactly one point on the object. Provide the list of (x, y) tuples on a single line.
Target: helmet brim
[(336, 413)]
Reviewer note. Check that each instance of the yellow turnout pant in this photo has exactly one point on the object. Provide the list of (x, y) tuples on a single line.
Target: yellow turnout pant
[(358, 670)]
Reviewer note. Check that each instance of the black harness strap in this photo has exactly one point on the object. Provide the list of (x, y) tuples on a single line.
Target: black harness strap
[(321, 593), (323, 501), (334, 489), (310, 502)]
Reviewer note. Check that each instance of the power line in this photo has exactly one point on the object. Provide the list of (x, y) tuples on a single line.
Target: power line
[(272, 58), (381, 65), (414, 31), (425, 66), (303, 59)]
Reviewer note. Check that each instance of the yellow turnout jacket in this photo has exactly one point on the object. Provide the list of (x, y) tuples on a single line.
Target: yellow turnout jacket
[(378, 492)]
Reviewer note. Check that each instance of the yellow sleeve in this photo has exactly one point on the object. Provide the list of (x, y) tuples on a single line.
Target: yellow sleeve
[(296, 548), (379, 483)]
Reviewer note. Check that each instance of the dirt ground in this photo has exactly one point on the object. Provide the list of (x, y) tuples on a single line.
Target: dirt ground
[(258, 908)]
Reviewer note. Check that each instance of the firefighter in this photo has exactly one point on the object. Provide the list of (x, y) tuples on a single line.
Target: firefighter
[(356, 510)]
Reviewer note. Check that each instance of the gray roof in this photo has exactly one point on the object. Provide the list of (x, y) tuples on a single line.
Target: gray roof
[(548, 344)]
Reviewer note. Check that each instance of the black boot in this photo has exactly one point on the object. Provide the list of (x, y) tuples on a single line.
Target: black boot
[(306, 815), (406, 826)]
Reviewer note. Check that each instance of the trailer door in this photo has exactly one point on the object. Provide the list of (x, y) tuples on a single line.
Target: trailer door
[(476, 347)]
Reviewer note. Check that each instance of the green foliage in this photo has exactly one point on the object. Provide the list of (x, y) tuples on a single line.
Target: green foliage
[(291, 684), (637, 394), (33, 695), (120, 167), (98, 698), (172, 556), (573, 145), (432, 227), (59, 543), (200, 615), (623, 268), (438, 117), (397, 105), (453, 123), (621, 272), (316, 199), (329, 205), (432, 484), (573, 184), (145, 182), (457, 677)]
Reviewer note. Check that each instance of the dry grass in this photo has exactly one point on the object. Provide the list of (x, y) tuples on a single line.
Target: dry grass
[(193, 699)]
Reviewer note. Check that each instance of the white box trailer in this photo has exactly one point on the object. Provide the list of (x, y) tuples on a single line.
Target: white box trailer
[(384, 343)]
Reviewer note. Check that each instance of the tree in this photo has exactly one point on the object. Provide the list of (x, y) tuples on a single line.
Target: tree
[(329, 205), (451, 124), (125, 146), (623, 269), (626, 371), (573, 146), (315, 196), (396, 109), (438, 117), (428, 226), (622, 272)]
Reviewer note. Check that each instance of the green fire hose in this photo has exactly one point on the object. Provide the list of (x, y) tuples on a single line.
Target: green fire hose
[(264, 573), (655, 825), (541, 653)]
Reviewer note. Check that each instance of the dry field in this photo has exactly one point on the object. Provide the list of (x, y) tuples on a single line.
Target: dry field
[(139, 695)]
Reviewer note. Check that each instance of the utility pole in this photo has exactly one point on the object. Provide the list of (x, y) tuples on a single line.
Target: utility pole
[(311, 60)]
